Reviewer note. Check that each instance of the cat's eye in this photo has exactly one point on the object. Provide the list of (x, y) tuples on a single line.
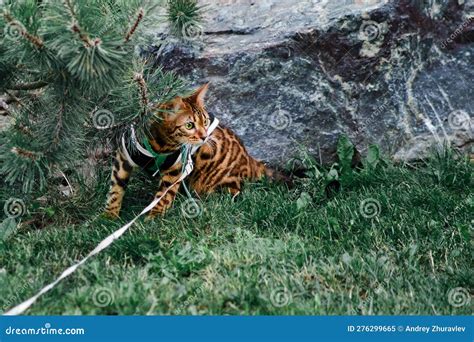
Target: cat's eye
[(189, 125), (206, 122)]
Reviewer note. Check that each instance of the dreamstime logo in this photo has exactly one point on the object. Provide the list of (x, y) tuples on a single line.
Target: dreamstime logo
[(369, 208), (18, 293), (13, 30), (458, 297), (458, 208), (103, 119), (280, 120), (459, 30), (192, 31), (14, 207), (103, 297), (280, 297), (459, 120), (179, 310), (191, 208), (370, 30)]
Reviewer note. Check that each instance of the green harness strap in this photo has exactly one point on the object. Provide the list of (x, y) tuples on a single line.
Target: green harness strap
[(159, 157)]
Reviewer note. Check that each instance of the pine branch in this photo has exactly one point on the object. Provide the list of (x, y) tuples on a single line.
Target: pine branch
[(12, 97), (24, 153), (53, 90), (135, 25), (59, 125), (24, 129), (4, 107), (138, 77), (84, 37), (70, 8), (22, 100), (29, 86), (182, 13), (88, 42), (35, 40)]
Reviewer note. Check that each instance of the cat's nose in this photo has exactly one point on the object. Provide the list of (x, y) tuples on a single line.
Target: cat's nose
[(202, 135)]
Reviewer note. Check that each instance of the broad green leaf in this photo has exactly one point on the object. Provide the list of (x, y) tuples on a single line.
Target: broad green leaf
[(7, 228), (373, 156), (332, 175), (345, 152), (303, 201), (50, 211)]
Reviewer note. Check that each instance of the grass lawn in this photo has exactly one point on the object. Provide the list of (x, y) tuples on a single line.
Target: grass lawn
[(271, 251)]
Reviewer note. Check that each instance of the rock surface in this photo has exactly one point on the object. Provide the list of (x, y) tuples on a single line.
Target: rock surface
[(287, 74), (3, 122)]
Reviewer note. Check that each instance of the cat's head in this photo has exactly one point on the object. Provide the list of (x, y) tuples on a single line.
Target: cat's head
[(184, 120)]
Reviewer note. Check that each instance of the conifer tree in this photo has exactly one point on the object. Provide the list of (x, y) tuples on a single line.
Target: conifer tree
[(72, 77)]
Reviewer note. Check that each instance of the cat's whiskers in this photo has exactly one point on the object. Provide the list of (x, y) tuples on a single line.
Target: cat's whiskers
[(211, 143)]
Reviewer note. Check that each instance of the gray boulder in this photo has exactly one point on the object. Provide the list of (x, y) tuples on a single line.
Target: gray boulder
[(287, 75)]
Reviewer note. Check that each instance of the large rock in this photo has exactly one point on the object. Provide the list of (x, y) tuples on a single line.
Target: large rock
[(288, 74)]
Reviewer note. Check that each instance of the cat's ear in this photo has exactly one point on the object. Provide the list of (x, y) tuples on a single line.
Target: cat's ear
[(198, 96), (173, 106), (176, 104)]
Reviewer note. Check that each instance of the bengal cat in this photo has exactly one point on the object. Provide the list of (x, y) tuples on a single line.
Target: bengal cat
[(221, 162)]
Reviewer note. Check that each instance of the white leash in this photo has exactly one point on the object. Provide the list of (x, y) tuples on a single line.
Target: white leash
[(20, 308)]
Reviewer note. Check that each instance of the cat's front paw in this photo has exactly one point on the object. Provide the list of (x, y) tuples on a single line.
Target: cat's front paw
[(153, 215), (109, 216), (150, 218)]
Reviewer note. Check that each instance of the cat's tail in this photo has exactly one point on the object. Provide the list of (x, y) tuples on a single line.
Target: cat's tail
[(278, 176), (273, 174)]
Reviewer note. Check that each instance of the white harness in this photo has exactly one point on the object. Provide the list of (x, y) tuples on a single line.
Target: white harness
[(141, 149)]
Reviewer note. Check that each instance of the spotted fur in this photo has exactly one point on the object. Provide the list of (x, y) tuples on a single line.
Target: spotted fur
[(221, 162)]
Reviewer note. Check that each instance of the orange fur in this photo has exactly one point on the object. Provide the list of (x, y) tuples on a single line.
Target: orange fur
[(221, 162)]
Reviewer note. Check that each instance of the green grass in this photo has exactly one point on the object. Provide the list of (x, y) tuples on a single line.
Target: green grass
[(259, 254)]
